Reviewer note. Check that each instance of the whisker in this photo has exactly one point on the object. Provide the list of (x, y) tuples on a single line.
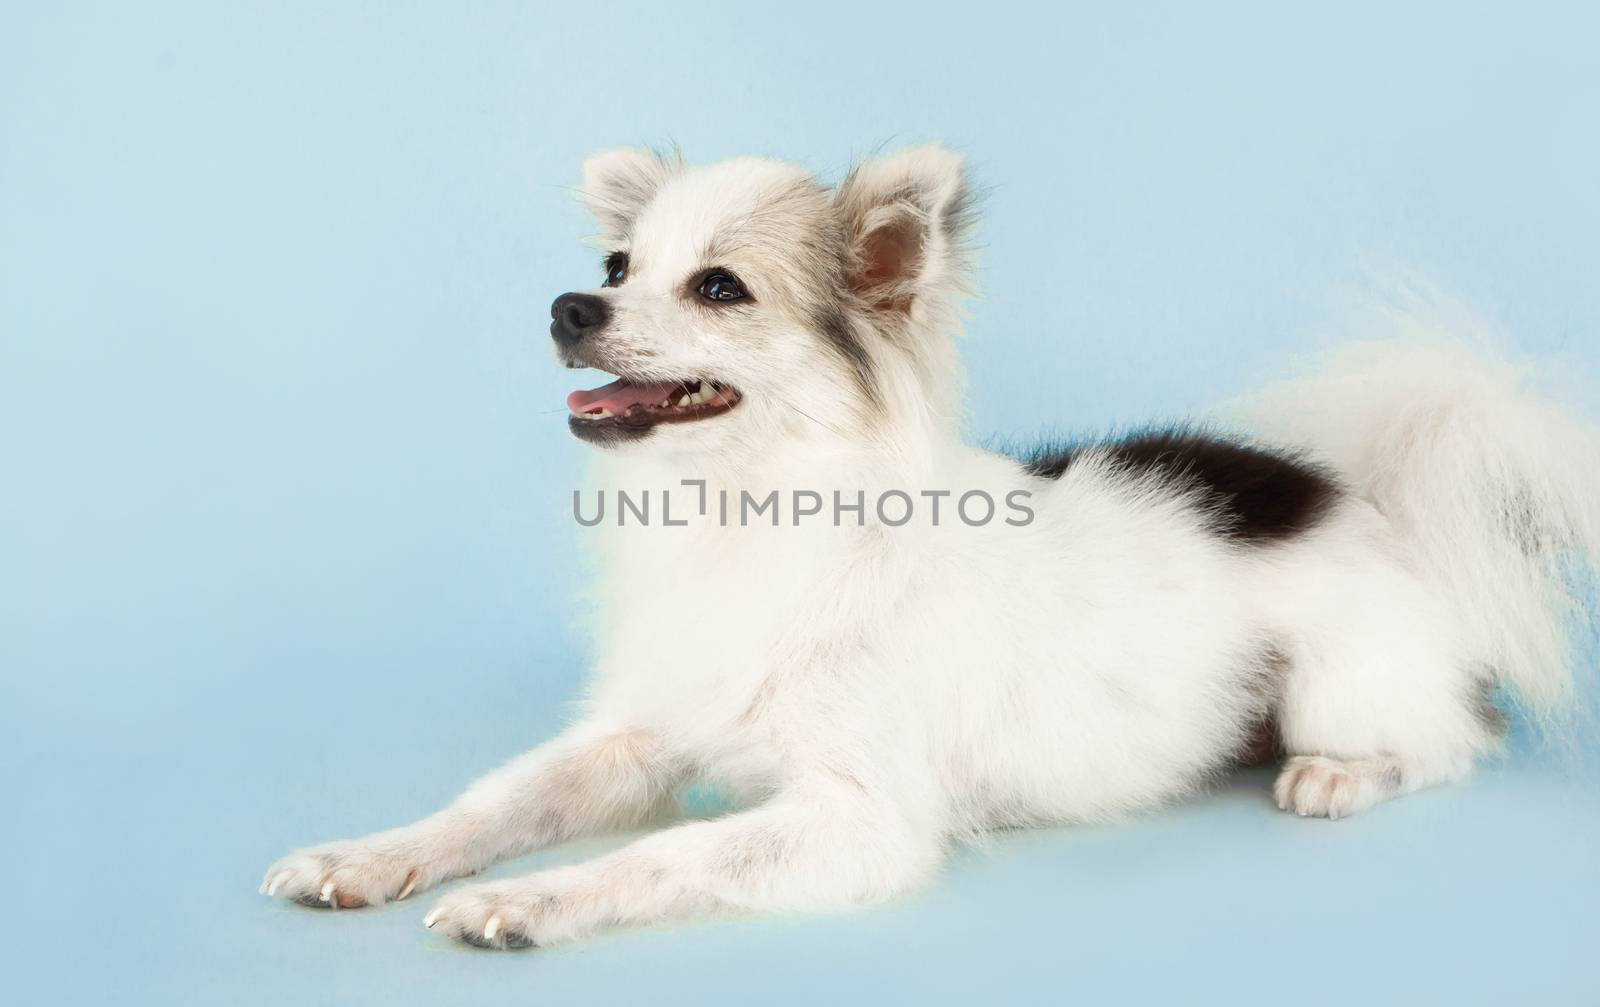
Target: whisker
[(834, 430)]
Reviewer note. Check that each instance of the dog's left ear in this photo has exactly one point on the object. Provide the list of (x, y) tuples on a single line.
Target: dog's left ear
[(907, 222), (617, 184)]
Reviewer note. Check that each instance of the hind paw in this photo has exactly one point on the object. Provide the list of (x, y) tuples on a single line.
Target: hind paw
[(1315, 786)]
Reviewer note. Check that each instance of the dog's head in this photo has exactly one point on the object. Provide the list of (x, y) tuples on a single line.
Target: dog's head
[(745, 301)]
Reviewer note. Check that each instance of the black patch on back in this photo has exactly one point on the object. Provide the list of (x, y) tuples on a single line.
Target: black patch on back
[(1486, 708), (1255, 494)]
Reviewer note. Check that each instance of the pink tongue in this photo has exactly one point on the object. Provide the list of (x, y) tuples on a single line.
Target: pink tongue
[(616, 397)]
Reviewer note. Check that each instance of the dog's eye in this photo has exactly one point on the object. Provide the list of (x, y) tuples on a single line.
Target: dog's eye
[(616, 269), (720, 286)]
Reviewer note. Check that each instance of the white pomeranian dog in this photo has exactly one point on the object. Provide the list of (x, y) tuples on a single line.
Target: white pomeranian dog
[(886, 641)]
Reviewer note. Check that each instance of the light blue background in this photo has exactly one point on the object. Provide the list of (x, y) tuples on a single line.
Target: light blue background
[(284, 518)]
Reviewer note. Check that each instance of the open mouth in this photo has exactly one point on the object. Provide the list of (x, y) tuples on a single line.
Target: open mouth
[(627, 408)]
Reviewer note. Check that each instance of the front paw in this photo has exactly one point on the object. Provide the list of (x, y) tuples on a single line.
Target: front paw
[(498, 914), (348, 874)]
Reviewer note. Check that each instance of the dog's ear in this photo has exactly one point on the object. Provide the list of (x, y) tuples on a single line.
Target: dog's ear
[(907, 221), (617, 184)]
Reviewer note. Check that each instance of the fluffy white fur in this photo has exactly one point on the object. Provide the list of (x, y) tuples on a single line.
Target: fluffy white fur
[(877, 694)]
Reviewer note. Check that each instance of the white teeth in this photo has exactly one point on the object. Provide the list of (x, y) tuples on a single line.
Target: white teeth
[(703, 392), (599, 414)]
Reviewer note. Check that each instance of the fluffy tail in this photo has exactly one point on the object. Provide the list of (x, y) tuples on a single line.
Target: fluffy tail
[(1497, 489)]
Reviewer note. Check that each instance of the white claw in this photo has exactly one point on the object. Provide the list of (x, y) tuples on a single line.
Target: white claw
[(491, 928), (277, 883), (432, 918), (327, 892), (411, 882)]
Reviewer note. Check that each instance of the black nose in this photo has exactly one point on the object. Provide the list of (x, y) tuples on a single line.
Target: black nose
[(575, 316)]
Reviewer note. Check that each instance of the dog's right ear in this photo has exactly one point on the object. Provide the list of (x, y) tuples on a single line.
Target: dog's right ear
[(617, 184), (907, 219)]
